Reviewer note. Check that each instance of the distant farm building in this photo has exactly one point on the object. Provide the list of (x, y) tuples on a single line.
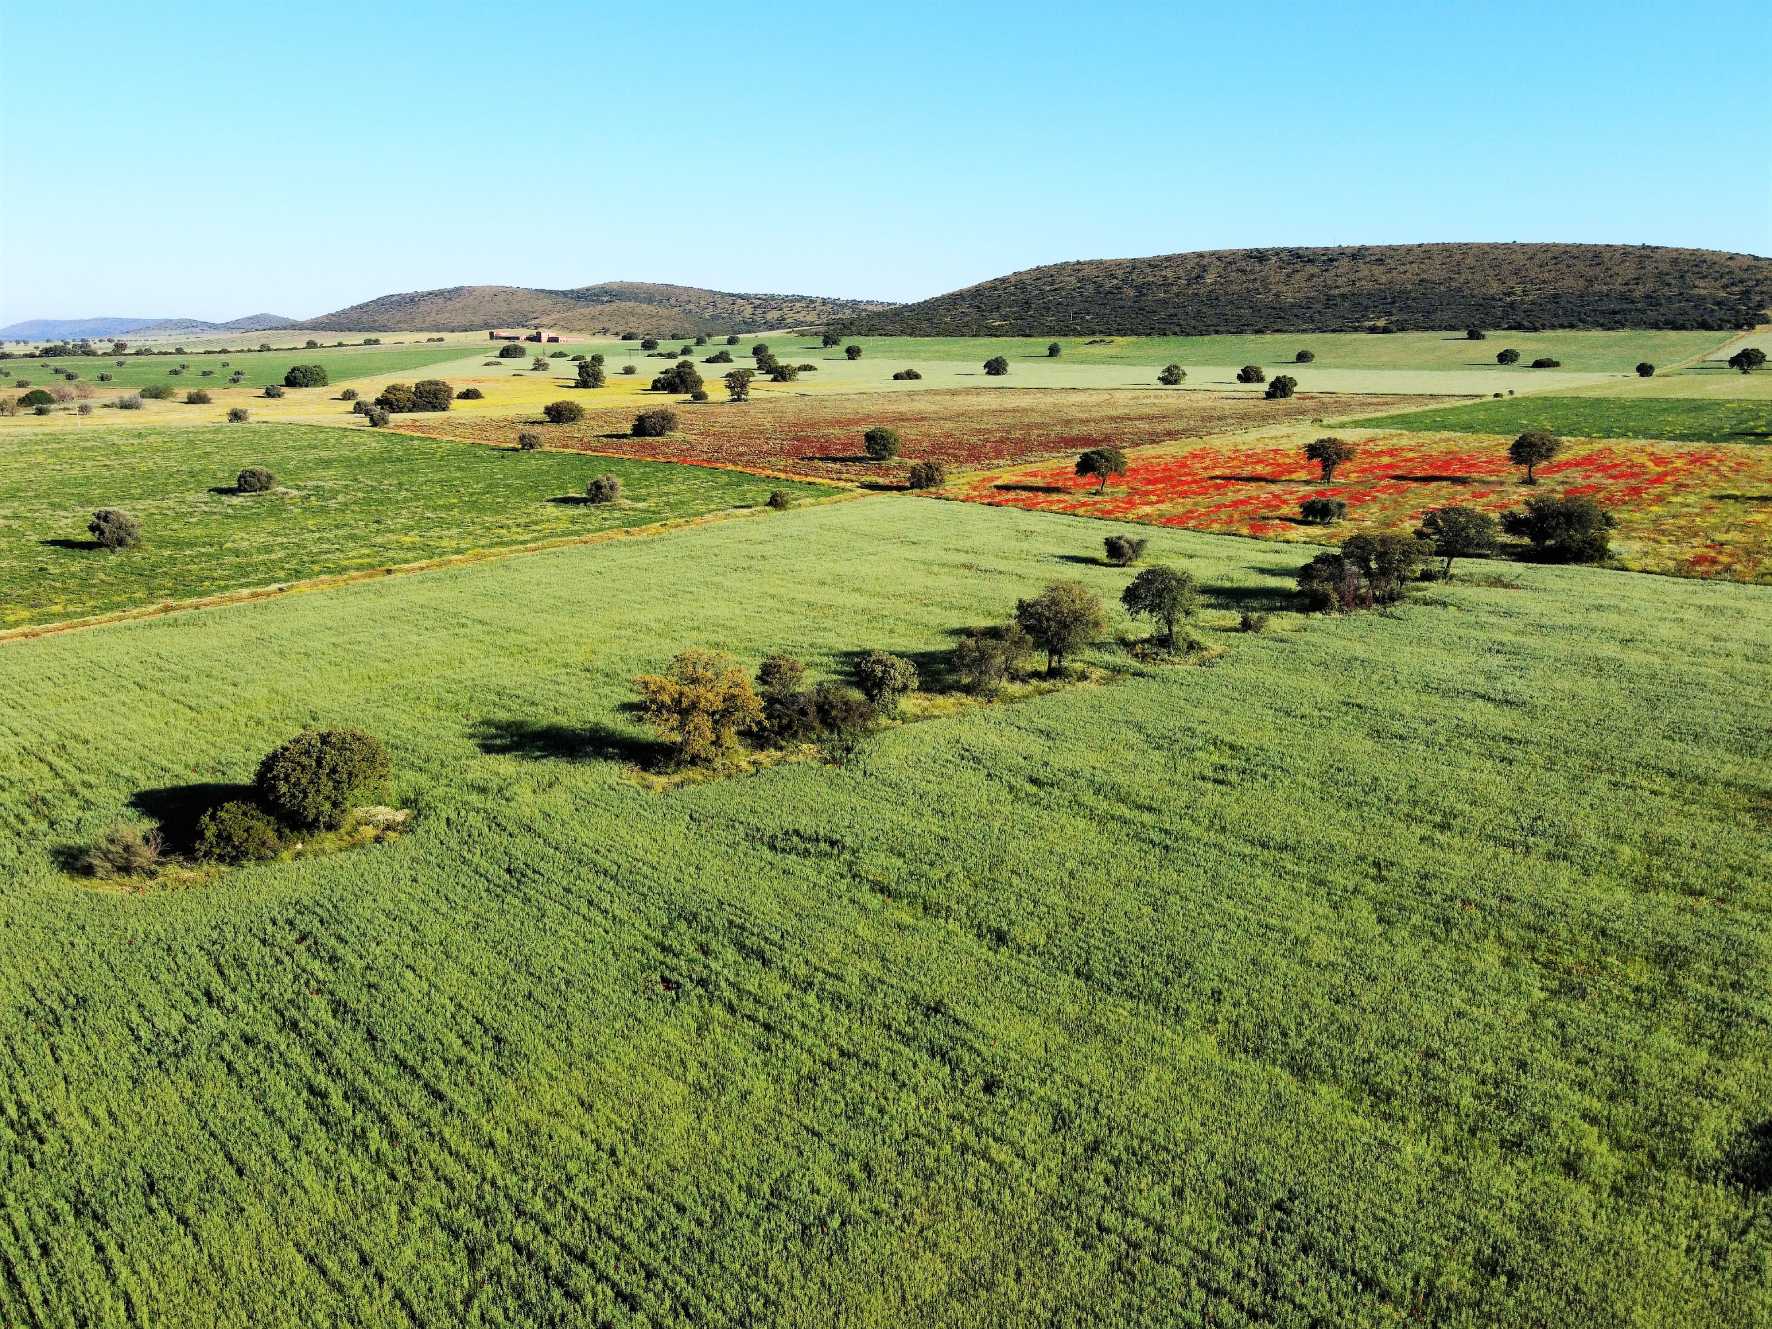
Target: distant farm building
[(529, 334)]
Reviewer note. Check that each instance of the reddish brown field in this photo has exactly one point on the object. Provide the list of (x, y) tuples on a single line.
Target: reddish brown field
[(819, 436)]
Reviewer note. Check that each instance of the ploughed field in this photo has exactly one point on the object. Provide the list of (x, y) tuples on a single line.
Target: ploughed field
[(1409, 966)]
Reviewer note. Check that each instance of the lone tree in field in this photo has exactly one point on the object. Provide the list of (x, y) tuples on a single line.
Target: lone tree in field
[(1251, 374), (996, 366), (563, 412), (829, 339), (254, 480), (314, 780), (738, 384), (1329, 453), (884, 678), (1122, 551), (1283, 386), (1060, 620), (1304, 357), (305, 376), (113, 528), (1748, 359), (646, 344), (1508, 357), (700, 706), (852, 351), (1645, 370), (1102, 463), (654, 424), (1171, 375), (1053, 350), (590, 374), (1165, 596), (1458, 533), (1531, 450), (880, 443), (1563, 530)]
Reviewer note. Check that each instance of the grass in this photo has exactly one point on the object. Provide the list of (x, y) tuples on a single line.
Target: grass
[(1679, 419), (261, 367), (348, 500), (1201, 997)]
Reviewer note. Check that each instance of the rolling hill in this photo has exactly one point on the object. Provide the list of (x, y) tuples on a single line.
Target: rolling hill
[(1399, 287), (610, 307), (57, 329)]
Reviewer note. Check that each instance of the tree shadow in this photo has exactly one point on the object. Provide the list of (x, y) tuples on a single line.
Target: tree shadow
[(1030, 489), (885, 486), (858, 457), (1751, 433), (1750, 1162), (1434, 479), (1262, 480), (1251, 597), (1085, 560), (539, 740), (178, 808), (71, 544), (579, 501), (1743, 498)]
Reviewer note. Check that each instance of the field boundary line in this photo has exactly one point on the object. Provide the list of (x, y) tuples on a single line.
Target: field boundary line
[(248, 595)]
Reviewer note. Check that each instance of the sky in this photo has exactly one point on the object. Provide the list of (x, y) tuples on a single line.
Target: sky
[(214, 160)]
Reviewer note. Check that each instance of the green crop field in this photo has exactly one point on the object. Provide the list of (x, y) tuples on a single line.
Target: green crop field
[(261, 367), (348, 499), (1681, 419), (1401, 968)]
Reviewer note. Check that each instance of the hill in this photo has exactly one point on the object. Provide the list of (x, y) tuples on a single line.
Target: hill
[(1435, 286), (610, 307), (63, 329)]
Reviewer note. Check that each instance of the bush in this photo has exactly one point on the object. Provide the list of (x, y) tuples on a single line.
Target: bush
[(1060, 620), (907, 375), (163, 392), (470, 394), (1303, 358), (996, 366), (316, 778), (1545, 362), (1053, 350), (378, 416), (1368, 570), (132, 402), (197, 397), (1531, 450), (1251, 374), (1249, 621), (884, 678), (1563, 530), (1322, 511), (590, 374), (255, 480), (1171, 375), (511, 351), (305, 376), (853, 352), (528, 440), (603, 489), (563, 412), (780, 500), (84, 408), (699, 706), (927, 475), (981, 662), (273, 390), (1166, 596), (1474, 334), (38, 397), (1122, 551), (654, 424), (780, 373), (680, 378), (630, 369), (700, 394), (649, 344), (238, 832), (719, 358), (1458, 533), (844, 717), (113, 528), (1507, 357), (349, 394), (432, 394), (880, 443), (105, 378), (1329, 454), (1645, 370), (732, 340), (40, 410), (1283, 386), (1103, 463), (125, 850)]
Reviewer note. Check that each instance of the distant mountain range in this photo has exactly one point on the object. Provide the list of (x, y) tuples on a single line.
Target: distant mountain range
[(70, 329), (613, 307), (1435, 286)]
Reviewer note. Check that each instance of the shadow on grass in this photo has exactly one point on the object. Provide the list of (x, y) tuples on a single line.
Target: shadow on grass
[(861, 458), (70, 544), (538, 740), (1262, 480), (178, 808), (1031, 489), (1751, 433), (580, 501), (1743, 498), (1434, 479)]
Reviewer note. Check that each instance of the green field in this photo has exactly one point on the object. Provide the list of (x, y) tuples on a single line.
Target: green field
[(1404, 968), (1682, 419), (349, 499), (262, 367)]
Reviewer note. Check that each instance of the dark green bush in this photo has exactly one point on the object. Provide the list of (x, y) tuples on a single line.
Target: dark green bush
[(852, 352), (1124, 550), (1645, 370), (1171, 375), (271, 390), (1507, 357), (603, 489), (1250, 621), (780, 500), (1283, 386), (649, 344), (563, 412), (163, 392), (316, 778), (845, 720), (1322, 511), (305, 376), (1053, 350), (981, 662), (1251, 374), (38, 397), (927, 475), (255, 480), (511, 351), (719, 358), (470, 394), (349, 394), (880, 443), (905, 375), (680, 378), (431, 394), (197, 397), (1563, 530), (378, 417), (1546, 362), (238, 832), (884, 678), (1303, 358), (654, 424), (996, 366)]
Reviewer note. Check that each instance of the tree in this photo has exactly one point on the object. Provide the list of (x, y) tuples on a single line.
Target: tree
[(1053, 350), (681, 378), (1322, 511), (305, 376), (396, 397), (884, 678), (1103, 463), (782, 373), (829, 339), (1458, 533), (315, 779), (590, 374), (927, 475), (718, 358), (1368, 570), (1329, 453), (563, 412), (1507, 357), (981, 662), (732, 340), (1645, 370), (649, 344), (1283, 386), (844, 717), (700, 706), (237, 831), (254, 480), (1171, 375), (1531, 450), (603, 489), (880, 443), (1475, 334), (738, 384), (1563, 530), (852, 351), (1060, 620), (1748, 359), (1251, 374), (654, 424), (1165, 596), (1123, 551), (996, 366), (113, 528), (1304, 358)]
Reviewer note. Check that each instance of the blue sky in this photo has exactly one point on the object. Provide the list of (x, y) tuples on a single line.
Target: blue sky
[(211, 160)]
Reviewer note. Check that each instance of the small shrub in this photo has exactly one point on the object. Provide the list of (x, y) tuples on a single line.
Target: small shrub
[(273, 390), (1303, 358), (732, 340), (981, 662), (113, 528), (780, 500), (84, 408), (852, 352), (996, 366), (884, 678), (1283, 386), (1458, 532), (132, 402), (305, 376), (927, 475), (1546, 362), (197, 397), (511, 351), (880, 443), (649, 344), (845, 719), (1747, 359), (1474, 334), (700, 394), (1322, 511), (630, 369), (470, 394), (1507, 357), (654, 424), (907, 375), (125, 850), (378, 416), (1249, 621), (563, 412), (528, 440), (1251, 374), (105, 378), (1171, 375), (255, 480), (163, 392), (1053, 350), (1645, 370), (719, 358), (603, 489), (238, 832), (349, 394), (1123, 551), (316, 778), (1368, 570)]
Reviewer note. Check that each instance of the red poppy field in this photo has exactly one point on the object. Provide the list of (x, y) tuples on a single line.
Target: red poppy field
[(1681, 508)]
